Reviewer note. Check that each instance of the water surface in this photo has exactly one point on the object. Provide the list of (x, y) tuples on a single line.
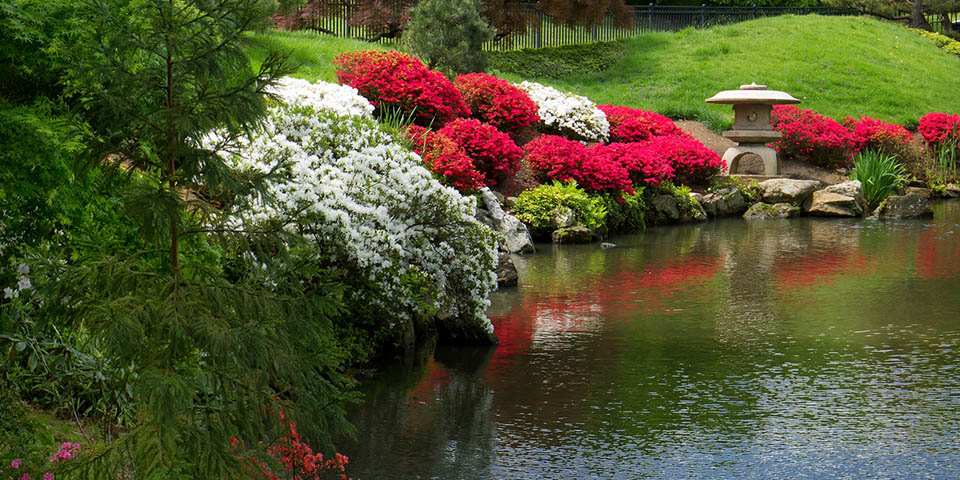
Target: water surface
[(803, 348)]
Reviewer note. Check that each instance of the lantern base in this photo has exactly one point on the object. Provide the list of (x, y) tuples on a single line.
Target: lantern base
[(771, 163)]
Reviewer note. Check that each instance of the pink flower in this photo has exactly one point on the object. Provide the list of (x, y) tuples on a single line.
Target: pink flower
[(48, 476), (25, 477), (15, 464)]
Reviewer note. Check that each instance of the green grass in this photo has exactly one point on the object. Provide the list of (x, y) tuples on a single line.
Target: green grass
[(312, 53), (836, 65)]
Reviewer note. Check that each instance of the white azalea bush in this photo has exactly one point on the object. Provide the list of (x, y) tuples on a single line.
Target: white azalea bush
[(342, 99), (567, 114), (372, 209)]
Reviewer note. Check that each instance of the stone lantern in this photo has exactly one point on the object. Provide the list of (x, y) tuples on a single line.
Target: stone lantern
[(752, 105)]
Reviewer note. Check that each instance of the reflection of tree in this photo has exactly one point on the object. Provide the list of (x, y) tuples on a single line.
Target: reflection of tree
[(442, 427)]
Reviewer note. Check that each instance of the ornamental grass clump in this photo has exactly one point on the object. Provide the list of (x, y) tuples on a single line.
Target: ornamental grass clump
[(497, 102), (811, 137), (634, 125), (411, 245), (394, 80), (566, 114), (494, 154), (879, 174), (557, 158)]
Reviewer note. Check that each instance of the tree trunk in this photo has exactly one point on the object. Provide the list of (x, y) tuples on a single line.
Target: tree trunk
[(917, 19)]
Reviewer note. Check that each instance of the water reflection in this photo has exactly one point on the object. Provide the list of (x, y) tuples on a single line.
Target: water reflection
[(794, 349)]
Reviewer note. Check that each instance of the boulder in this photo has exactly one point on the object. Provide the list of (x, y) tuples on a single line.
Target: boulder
[(904, 206), (726, 202), (507, 275), (578, 234), (671, 209), (831, 204), (517, 238), (951, 191), (765, 211), (666, 206), (564, 217), (923, 192), (786, 190)]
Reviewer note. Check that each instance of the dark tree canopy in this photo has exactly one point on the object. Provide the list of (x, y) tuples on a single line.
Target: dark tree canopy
[(913, 12)]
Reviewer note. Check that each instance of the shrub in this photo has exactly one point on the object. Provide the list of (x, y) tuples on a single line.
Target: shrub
[(625, 213), (643, 164), (557, 158), (342, 99), (633, 125), (448, 35), (446, 159), (944, 42), (878, 172), (497, 102), (873, 134), (537, 208), (397, 81), (494, 154), (692, 162), (559, 62), (937, 128), (412, 246), (566, 114), (811, 137)]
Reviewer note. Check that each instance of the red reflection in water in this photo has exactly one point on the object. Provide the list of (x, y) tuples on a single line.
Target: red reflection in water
[(936, 259), (819, 268)]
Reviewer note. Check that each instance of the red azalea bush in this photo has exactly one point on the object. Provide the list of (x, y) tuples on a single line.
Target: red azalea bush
[(937, 128), (633, 125), (644, 164), (443, 156), (494, 154), (692, 162), (497, 102), (297, 458), (391, 79), (873, 134), (558, 158), (811, 137)]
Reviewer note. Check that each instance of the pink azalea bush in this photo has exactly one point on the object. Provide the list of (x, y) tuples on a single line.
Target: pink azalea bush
[(494, 154), (811, 137), (643, 165), (497, 102), (557, 158), (872, 134), (937, 128), (66, 451), (442, 156), (634, 125), (391, 79), (692, 162)]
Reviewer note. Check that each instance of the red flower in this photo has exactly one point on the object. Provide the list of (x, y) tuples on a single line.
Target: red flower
[(644, 164), (442, 156), (396, 80), (557, 158), (692, 162), (633, 125), (811, 137), (497, 102), (937, 128), (494, 154)]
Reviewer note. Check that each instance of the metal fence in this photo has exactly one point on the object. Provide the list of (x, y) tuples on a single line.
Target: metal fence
[(338, 15)]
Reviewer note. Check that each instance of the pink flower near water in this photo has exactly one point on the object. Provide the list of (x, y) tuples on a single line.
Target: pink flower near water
[(66, 452), (48, 476), (15, 464)]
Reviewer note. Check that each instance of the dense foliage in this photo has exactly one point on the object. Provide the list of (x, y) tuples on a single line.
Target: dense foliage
[(397, 81), (879, 173), (558, 62), (448, 35), (537, 208), (558, 158), (497, 102), (494, 154), (566, 114), (444, 157), (872, 134), (642, 164), (692, 162), (811, 137), (937, 128)]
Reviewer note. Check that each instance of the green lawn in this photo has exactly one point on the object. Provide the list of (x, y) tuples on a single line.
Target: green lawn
[(836, 65)]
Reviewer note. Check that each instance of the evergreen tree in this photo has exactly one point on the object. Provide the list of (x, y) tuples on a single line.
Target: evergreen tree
[(220, 329), (448, 35)]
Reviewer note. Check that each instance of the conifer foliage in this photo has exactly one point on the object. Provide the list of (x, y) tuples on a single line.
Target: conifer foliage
[(448, 35)]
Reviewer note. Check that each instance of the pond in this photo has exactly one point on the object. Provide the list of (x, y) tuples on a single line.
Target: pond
[(802, 348)]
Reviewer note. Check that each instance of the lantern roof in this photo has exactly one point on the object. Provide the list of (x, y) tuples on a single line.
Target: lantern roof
[(752, 93)]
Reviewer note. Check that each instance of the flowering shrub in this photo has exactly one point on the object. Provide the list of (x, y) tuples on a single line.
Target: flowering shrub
[(643, 164), (394, 80), (633, 125), (20, 470), (872, 134), (937, 128), (811, 137), (494, 154), (692, 162), (567, 114), (557, 158), (297, 458), (497, 102), (373, 210), (341, 99), (446, 159)]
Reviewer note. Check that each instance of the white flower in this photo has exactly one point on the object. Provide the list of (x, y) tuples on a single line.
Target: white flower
[(24, 283), (9, 293), (568, 114), (342, 99), (23, 269)]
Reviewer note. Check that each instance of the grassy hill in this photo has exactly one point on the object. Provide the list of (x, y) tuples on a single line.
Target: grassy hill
[(837, 65)]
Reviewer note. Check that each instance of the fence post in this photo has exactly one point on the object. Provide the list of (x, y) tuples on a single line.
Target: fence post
[(703, 17), (755, 10), (803, 9), (650, 18)]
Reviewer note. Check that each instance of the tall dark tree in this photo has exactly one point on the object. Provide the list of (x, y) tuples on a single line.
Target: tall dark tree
[(214, 343), (912, 12)]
